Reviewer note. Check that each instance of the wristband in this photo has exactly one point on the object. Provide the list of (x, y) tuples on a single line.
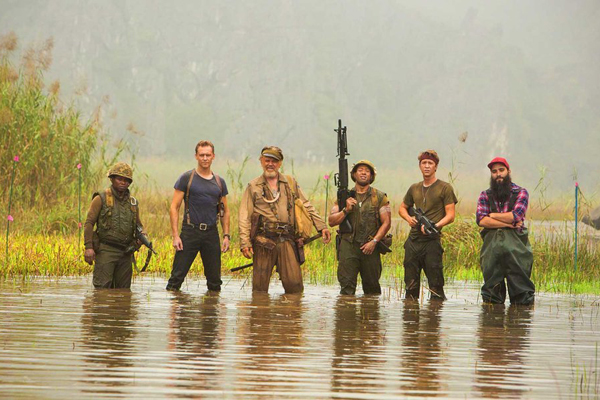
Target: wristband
[(375, 240), (345, 211)]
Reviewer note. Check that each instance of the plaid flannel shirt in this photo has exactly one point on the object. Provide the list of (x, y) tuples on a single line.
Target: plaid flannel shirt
[(519, 210)]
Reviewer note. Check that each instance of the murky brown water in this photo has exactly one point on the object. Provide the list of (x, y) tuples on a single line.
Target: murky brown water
[(62, 339)]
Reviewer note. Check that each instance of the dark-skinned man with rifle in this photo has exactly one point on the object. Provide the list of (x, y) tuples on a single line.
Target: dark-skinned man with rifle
[(110, 247), (435, 201), (268, 220), (368, 212)]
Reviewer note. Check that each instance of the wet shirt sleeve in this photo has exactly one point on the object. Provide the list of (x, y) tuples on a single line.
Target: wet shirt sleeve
[(225, 192), (483, 207), (90, 221), (244, 218), (409, 200), (448, 196)]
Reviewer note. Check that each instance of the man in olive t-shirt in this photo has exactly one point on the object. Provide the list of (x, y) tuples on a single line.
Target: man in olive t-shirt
[(421, 251)]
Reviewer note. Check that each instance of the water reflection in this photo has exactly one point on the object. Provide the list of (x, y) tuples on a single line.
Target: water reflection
[(422, 354), (503, 342), (193, 339), (357, 341), (273, 336), (108, 329)]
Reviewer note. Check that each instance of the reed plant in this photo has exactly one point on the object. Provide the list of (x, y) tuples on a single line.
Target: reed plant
[(63, 155)]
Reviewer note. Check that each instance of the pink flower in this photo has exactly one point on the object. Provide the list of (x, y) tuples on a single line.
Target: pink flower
[(16, 159), (576, 183), (326, 177), (10, 218), (79, 225), (79, 166)]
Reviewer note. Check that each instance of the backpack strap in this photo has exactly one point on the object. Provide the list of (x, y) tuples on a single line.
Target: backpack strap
[(110, 200), (187, 195), (221, 205)]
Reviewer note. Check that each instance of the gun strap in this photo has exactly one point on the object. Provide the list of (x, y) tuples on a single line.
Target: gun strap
[(148, 257)]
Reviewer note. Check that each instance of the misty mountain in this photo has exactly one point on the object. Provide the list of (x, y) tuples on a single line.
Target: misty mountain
[(521, 78)]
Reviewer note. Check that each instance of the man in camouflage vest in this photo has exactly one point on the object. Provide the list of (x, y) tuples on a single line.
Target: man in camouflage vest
[(110, 247), (369, 214)]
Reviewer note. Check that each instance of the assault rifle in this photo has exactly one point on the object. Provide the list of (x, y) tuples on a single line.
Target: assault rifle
[(428, 225), (307, 241), (341, 177), (146, 242)]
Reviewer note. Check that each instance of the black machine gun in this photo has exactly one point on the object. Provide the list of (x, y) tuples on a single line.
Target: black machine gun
[(428, 225), (144, 239), (341, 177)]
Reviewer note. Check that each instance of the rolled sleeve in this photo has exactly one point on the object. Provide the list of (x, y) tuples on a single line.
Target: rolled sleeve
[(521, 204), (483, 207)]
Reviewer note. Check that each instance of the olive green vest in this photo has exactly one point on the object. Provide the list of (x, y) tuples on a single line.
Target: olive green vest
[(365, 219), (118, 218)]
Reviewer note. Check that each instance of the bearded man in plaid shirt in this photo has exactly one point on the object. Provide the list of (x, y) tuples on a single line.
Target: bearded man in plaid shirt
[(506, 253)]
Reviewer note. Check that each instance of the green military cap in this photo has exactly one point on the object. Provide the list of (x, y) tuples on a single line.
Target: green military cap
[(368, 164), (121, 169), (273, 152)]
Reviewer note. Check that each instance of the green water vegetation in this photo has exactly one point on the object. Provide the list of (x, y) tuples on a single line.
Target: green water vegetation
[(56, 255), (62, 154)]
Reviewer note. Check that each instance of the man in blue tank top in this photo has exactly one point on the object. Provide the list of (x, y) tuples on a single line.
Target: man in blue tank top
[(205, 199)]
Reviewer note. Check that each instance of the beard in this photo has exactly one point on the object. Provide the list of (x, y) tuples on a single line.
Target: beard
[(501, 190), (270, 174)]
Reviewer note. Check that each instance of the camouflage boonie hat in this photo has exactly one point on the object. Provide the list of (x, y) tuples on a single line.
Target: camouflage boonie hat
[(121, 169), (368, 164)]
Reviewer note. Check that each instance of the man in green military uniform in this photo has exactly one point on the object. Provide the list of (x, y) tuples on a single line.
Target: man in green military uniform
[(423, 251), (369, 214), (116, 216)]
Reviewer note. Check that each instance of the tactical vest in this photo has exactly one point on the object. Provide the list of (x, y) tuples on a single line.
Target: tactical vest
[(117, 220), (365, 220)]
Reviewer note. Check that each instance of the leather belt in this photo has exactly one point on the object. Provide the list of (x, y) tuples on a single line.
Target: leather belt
[(202, 226)]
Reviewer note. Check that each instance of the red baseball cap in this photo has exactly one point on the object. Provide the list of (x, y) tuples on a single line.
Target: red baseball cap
[(499, 160)]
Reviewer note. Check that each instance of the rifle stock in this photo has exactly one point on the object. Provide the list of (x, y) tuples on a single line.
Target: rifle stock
[(146, 242)]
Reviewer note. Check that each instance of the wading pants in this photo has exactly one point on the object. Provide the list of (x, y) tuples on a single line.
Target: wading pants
[(284, 256), (208, 244), (423, 255), (506, 254), (353, 262), (112, 268)]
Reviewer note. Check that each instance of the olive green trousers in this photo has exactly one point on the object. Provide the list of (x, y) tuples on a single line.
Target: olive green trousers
[(112, 268)]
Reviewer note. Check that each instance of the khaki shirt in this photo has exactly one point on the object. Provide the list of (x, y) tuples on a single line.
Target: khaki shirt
[(253, 201)]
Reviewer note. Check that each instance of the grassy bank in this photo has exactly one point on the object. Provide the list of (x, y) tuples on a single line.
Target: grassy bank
[(61, 255)]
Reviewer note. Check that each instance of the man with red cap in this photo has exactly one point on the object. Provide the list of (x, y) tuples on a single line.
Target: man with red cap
[(423, 251), (506, 253)]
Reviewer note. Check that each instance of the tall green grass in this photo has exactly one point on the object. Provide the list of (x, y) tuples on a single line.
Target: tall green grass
[(52, 138)]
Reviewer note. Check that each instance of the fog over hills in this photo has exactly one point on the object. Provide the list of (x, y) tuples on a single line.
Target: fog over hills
[(521, 78)]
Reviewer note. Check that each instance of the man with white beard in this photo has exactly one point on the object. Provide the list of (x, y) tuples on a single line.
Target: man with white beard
[(266, 224)]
